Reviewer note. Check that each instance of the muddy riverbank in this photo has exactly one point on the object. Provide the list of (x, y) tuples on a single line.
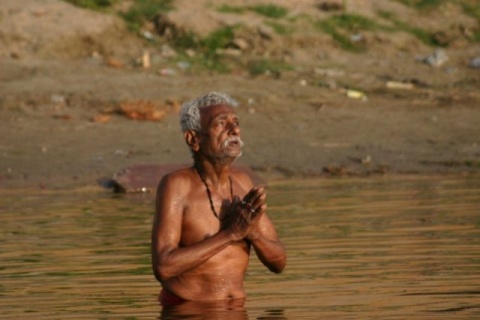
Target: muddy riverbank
[(341, 113)]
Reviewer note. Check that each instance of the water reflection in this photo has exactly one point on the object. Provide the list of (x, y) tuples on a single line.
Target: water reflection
[(231, 309), (378, 247)]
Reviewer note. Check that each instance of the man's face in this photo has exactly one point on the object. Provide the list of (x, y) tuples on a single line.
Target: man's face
[(220, 132)]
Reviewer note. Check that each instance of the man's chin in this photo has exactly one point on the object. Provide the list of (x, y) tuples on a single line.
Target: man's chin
[(230, 156), (234, 155), (238, 155)]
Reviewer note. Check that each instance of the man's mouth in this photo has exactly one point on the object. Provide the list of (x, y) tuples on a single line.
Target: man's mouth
[(233, 142)]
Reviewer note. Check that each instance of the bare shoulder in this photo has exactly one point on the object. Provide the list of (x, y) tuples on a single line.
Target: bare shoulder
[(178, 182)]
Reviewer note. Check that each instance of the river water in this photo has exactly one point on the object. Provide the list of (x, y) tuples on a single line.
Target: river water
[(383, 248)]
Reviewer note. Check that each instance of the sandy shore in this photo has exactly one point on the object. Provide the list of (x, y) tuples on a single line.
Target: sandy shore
[(336, 113)]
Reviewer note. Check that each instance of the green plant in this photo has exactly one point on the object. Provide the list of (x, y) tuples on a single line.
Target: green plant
[(142, 11), (422, 35), (264, 66), (387, 15), (186, 41), (472, 10), (267, 10), (476, 36), (201, 62), (270, 10), (218, 39), (341, 26), (93, 4), (231, 9), (353, 22), (207, 48), (338, 37), (470, 7), (279, 28), (421, 4), (472, 164)]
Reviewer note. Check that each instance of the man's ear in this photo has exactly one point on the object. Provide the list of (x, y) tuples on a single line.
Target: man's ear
[(192, 140)]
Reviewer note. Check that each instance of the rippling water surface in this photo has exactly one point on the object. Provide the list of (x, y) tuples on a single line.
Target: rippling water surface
[(386, 248)]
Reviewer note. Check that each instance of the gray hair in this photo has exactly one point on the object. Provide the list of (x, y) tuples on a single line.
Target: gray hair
[(190, 111)]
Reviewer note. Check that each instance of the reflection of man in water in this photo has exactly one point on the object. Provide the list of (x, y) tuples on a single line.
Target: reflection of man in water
[(209, 216)]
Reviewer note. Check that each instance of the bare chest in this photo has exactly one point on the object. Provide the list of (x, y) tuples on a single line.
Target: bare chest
[(200, 220)]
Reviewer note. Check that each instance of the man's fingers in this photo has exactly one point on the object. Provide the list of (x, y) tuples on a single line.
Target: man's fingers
[(253, 203), (260, 210), (253, 195), (258, 202), (250, 196)]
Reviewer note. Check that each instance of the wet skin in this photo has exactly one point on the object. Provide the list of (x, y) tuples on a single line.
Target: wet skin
[(195, 255)]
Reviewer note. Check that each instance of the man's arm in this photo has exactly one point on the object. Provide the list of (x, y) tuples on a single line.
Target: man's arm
[(263, 235), (268, 247), (168, 259)]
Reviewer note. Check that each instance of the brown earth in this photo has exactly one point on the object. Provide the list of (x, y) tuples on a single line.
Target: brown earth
[(75, 87)]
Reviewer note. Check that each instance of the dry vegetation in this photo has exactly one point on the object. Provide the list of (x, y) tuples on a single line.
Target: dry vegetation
[(354, 86)]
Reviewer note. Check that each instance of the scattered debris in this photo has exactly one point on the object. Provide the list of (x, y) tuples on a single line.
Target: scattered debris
[(328, 83), (317, 105), (102, 118), (335, 170), (142, 110), (367, 160), (183, 65), (241, 44), (451, 70), (475, 63), (167, 28), (436, 59), (120, 152), (174, 105), (266, 32), (356, 37), (232, 52), (400, 85), (146, 60), (355, 94), (167, 72), (329, 72), (330, 6), (114, 63), (59, 100), (167, 51), (62, 117), (96, 55), (148, 35)]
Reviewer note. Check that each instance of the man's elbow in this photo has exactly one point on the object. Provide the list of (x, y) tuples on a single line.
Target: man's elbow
[(161, 271), (279, 265), (163, 274)]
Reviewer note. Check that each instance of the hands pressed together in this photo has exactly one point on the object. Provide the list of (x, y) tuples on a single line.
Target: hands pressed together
[(244, 214)]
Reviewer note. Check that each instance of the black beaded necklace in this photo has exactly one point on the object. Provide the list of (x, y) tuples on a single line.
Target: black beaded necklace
[(209, 193)]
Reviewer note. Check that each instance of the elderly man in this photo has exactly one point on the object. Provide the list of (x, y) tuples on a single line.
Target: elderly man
[(209, 216)]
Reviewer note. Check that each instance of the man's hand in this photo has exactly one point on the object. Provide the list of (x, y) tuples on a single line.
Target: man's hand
[(244, 214)]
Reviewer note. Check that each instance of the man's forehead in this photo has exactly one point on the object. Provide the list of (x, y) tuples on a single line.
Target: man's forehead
[(212, 112)]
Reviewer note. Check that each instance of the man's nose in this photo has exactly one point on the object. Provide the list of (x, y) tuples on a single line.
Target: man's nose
[(234, 128)]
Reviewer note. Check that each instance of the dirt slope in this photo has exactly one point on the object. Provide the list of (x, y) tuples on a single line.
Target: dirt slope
[(66, 73)]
